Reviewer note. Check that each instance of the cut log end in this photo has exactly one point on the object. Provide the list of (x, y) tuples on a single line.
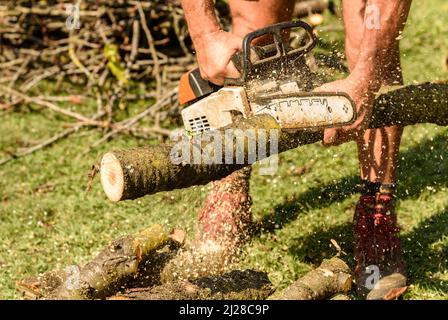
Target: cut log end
[(112, 178)]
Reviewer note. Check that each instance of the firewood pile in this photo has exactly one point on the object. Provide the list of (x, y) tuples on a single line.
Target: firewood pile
[(136, 267)]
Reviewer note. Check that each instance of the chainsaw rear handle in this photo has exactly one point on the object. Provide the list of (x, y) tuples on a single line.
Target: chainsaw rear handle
[(279, 52), (251, 60)]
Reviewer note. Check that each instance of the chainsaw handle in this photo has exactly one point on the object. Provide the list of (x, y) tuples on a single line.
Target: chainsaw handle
[(281, 45), (252, 61), (192, 86), (254, 57), (256, 54)]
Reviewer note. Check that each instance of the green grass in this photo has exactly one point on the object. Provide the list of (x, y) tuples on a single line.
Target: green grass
[(48, 221)]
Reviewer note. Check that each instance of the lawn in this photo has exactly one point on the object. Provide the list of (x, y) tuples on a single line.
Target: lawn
[(48, 221)]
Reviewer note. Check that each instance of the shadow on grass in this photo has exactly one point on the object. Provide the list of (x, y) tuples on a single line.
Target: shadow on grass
[(423, 257), (315, 246), (420, 166), (315, 198)]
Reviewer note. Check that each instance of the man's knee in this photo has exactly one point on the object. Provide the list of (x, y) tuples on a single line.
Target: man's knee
[(249, 15)]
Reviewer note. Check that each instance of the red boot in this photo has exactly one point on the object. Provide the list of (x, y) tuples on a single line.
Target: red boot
[(362, 230), (380, 268)]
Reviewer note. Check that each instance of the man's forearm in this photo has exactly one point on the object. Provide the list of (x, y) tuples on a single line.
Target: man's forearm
[(201, 17), (380, 37), (214, 47)]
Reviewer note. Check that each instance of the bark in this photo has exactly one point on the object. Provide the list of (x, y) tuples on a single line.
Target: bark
[(130, 174), (234, 285), (119, 264), (133, 173), (408, 105), (224, 224), (333, 276)]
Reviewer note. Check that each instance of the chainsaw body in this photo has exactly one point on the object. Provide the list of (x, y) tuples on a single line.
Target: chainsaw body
[(274, 80)]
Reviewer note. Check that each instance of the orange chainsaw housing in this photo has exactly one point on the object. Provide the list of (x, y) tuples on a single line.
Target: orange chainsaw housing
[(186, 93), (192, 86)]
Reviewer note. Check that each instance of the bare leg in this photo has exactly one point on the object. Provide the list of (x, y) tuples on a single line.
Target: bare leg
[(226, 214), (252, 15), (375, 224), (378, 148)]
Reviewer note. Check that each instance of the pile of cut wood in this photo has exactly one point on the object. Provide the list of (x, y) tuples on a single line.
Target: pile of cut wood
[(134, 267)]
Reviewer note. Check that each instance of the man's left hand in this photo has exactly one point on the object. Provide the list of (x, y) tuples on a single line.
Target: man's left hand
[(363, 96)]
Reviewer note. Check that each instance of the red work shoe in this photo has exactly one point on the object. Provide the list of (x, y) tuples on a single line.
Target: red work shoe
[(380, 268), (363, 230)]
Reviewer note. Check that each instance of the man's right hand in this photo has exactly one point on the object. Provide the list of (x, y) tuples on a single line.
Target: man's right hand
[(214, 52)]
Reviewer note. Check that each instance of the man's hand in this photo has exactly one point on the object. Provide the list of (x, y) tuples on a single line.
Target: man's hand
[(214, 53), (214, 47), (363, 96), (373, 61)]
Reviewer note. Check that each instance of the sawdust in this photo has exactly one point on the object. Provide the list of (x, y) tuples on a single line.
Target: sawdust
[(233, 285), (205, 258)]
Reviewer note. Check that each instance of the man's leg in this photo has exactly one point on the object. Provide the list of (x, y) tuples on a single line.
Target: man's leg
[(225, 216), (375, 225)]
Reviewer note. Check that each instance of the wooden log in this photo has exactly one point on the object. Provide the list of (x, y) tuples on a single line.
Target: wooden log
[(115, 266), (234, 285), (408, 105), (48, 285), (129, 174), (333, 276)]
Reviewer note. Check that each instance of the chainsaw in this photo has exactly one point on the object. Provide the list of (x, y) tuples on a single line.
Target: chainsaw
[(274, 79)]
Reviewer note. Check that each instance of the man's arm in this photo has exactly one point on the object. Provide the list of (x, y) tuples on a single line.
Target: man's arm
[(214, 47), (201, 18), (384, 22)]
